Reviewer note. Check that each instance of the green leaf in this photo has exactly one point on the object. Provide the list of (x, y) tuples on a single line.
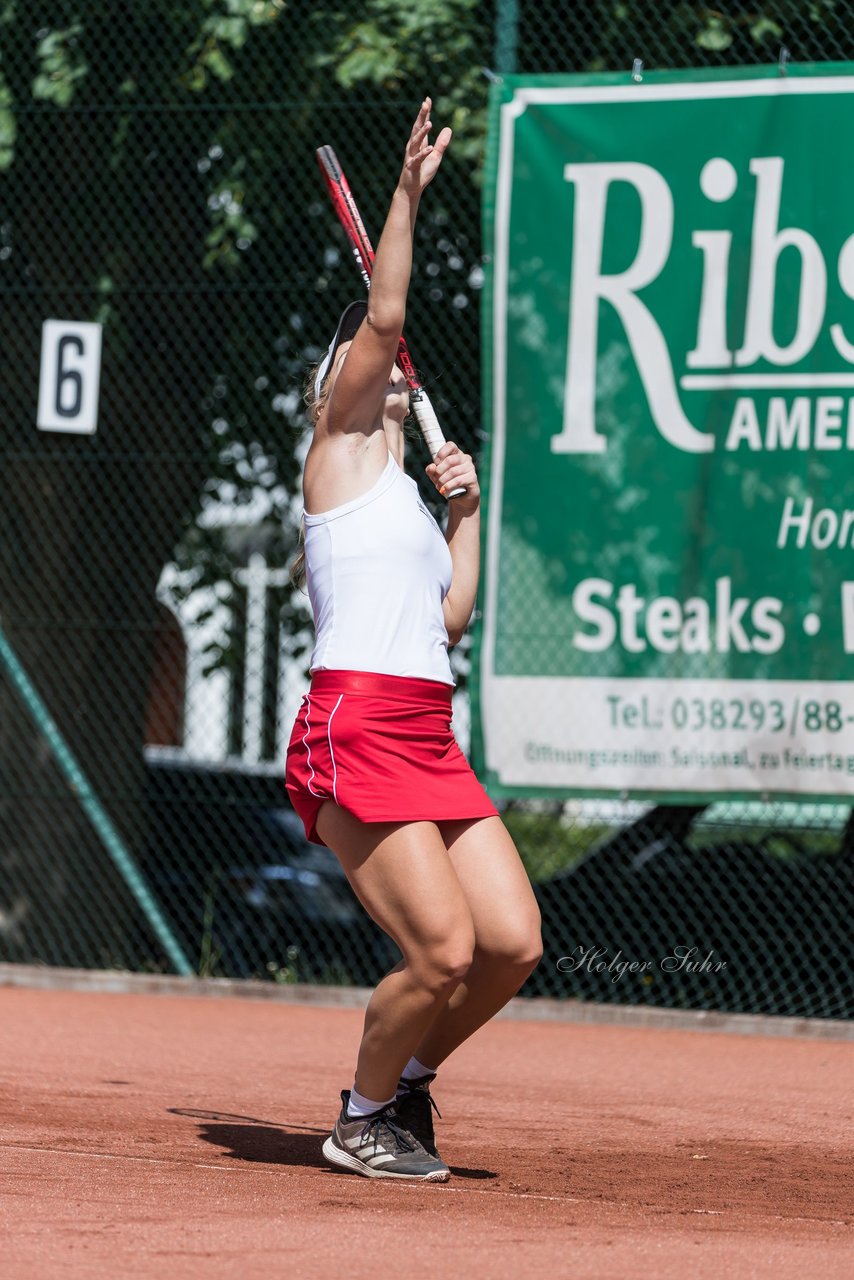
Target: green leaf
[(196, 78), (765, 27), (7, 137), (715, 38), (62, 65), (42, 87), (232, 30), (217, 63)]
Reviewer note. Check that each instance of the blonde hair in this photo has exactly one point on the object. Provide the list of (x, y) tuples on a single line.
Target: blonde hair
[(314, 403), (297, 566), (314, 407)]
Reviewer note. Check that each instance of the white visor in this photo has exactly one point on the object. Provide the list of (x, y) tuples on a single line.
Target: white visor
[(348, 325)]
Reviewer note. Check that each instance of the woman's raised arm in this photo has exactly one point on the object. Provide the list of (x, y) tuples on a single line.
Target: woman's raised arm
[(363, 376)]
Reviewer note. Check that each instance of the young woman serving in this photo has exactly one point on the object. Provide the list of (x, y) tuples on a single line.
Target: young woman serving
[(373, 768)]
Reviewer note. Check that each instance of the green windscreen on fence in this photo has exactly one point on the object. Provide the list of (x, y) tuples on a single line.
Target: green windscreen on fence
[(170, 269)]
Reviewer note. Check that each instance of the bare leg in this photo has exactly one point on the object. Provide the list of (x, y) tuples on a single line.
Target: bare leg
[(403, 876), (507, 933)]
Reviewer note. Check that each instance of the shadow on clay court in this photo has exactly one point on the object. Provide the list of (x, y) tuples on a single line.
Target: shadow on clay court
[(265, 1146), (271, 1142), (258, 1141)]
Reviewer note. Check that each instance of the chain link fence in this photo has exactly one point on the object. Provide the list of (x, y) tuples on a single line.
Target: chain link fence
[(157, 178)]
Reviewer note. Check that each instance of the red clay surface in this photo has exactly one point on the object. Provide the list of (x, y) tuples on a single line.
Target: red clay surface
[(164, 1136)]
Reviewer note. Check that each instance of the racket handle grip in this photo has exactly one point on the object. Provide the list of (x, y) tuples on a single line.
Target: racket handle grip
[(430, 429)]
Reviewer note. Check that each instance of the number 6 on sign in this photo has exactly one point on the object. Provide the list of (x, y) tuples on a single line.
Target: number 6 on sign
[(70, 377)]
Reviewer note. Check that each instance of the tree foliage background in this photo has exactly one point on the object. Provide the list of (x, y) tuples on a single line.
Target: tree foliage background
[(157, 175)]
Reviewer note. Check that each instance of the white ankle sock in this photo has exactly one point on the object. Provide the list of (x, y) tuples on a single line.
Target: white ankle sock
[(359, 1106), (414, 1068), (412, 1071)]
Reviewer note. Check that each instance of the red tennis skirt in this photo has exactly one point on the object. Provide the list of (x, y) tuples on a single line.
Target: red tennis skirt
[(382, 748)]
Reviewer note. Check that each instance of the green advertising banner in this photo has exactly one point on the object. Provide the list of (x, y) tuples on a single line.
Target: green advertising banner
[(669, 580)]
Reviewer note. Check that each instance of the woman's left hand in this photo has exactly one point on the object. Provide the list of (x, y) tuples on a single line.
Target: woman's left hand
[(422, 157), (452, 469)]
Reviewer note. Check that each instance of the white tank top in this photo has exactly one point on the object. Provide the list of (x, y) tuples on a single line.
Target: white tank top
[(377, 571)]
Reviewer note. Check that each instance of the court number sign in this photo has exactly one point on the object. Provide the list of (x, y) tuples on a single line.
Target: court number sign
[(669, 574), (70, 377)]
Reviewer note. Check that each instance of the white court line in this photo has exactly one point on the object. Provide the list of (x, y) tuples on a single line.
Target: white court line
[(410, 1186), (112, 1155), (481, 1191)]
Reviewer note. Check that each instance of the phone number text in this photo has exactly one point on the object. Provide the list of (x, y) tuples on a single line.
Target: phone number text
[(748, 715)]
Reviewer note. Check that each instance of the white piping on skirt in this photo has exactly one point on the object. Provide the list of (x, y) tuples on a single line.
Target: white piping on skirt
[(308, 748), (331, 752)]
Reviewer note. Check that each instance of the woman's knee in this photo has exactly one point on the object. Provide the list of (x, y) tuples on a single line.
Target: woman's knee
[(443, 963), (526, 954), (518, 947)]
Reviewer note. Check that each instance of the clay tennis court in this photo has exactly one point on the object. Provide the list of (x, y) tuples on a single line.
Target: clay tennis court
[(175, 1135)]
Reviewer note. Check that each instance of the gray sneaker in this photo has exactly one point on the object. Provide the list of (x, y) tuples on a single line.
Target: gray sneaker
[(377, 1146), (415, 1111)]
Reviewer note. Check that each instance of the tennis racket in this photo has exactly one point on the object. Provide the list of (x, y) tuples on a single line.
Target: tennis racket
[(348, 215)]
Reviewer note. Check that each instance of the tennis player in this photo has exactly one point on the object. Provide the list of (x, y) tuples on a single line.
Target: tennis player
[(373, 768)]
